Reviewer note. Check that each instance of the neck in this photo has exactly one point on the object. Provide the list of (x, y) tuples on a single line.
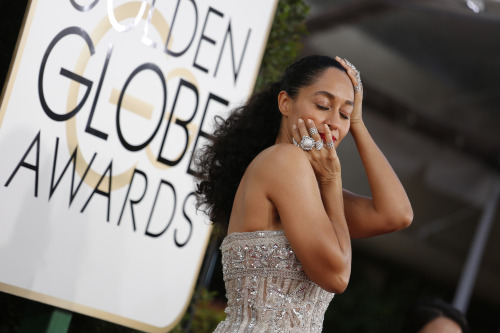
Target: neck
[(283, 135)]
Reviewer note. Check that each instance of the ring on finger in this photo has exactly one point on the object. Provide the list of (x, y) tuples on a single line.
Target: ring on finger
[(319, 145), (307, 143), (330, 145), (359, 86), (295, 142), (350, 65), (313, 130)]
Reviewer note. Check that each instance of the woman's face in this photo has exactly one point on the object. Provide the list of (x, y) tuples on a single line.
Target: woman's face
[(329, 100)]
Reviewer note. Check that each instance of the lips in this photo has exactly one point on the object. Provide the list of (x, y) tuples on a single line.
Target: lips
[(323, 137)]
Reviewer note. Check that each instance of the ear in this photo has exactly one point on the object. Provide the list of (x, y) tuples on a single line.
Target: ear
[(283, 103)]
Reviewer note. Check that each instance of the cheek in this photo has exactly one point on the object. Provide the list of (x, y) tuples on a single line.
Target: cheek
[(344, 129)]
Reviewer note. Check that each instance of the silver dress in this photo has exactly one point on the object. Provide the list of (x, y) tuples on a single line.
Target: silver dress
[(266, 287)]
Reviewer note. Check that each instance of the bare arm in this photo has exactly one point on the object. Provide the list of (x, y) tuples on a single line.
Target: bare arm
[(314, 223), (389, 209)]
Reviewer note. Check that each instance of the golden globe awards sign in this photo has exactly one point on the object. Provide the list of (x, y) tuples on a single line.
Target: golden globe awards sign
[(106, 104)]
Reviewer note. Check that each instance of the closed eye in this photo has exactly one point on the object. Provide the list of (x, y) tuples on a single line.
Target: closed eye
[(321, 107), (343, 116)]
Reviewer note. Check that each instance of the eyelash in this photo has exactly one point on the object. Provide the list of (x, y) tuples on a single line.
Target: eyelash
[(325, 108), (321, 107)]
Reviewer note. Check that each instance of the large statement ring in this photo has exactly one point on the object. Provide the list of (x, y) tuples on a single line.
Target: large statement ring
[(307, 143), (313, 130), (359, 86), (319, 145), (330, 145)]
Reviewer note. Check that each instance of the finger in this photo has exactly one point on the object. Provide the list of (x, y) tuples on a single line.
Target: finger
[(351, 72), (302, 129), (296, 135), (329, 143), (343, 63), (313, 130)]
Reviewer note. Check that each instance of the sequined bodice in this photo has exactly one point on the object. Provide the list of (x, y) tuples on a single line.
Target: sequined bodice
[(266, 287)]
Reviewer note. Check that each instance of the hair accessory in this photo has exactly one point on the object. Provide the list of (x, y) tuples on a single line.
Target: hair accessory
[(330, 145), (359, 86), (307, 143), (313, 130), (319, 145)]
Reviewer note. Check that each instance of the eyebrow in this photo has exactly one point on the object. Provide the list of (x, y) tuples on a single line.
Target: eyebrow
[(331, 96)]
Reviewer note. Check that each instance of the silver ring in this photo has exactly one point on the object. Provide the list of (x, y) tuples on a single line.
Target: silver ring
[(359, 86), (313, 130), (319, 145), (295, 142), (307, 143), (330, 145), (350, 65)]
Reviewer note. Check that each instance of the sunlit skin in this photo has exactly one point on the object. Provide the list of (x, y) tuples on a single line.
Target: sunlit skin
[(300, 192), (441, 325)]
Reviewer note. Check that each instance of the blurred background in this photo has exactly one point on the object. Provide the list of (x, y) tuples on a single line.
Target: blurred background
[(429, 70)]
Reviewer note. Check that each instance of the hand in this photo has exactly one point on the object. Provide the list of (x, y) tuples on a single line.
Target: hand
[(353, 74), (325, 162)]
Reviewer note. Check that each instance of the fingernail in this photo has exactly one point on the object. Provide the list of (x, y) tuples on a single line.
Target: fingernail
[(309, 121), (294, 126), (300, 120)]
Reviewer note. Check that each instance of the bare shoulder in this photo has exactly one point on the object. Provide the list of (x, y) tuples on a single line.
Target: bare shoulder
[(282, 157), (279, 165)]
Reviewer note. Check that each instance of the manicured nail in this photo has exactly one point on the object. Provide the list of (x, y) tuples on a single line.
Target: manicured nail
[(309, 121), (300, 120)]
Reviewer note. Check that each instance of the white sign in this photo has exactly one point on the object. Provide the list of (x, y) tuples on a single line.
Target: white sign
[(105, 105)]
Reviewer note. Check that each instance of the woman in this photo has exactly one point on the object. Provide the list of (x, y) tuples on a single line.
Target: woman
[(433, 315), (288, 219)]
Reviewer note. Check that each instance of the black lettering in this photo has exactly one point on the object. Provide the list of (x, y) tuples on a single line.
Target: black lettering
[(84, 8), (132, 201), (202, 133), (72, 160), (148, 233), (64, 72), (182, 123), (22, 163), (98, 191), (235, 70), (139, 69), (178, 54), (89, 128), (189, 222), (205, 38)]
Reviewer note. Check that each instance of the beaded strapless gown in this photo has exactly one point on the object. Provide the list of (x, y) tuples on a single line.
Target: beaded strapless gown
[(266, 287)]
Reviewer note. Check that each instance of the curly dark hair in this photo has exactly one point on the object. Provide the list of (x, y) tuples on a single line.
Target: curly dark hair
[(222, 163)]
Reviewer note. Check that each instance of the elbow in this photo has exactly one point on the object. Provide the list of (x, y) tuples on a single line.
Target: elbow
[(336, 279), (405, 219), (336, 283), (402, 220)]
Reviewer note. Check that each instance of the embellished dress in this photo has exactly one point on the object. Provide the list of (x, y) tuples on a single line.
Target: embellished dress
[(266, 287)]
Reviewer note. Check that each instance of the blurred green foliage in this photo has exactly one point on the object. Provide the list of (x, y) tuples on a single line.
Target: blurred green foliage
[(284, 43), (204, 315)]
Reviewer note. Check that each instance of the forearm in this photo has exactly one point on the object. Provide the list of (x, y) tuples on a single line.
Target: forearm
[(331, 195), (388, 195)]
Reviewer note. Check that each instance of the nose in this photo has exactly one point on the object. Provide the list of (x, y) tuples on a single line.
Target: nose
[(333, 120)]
